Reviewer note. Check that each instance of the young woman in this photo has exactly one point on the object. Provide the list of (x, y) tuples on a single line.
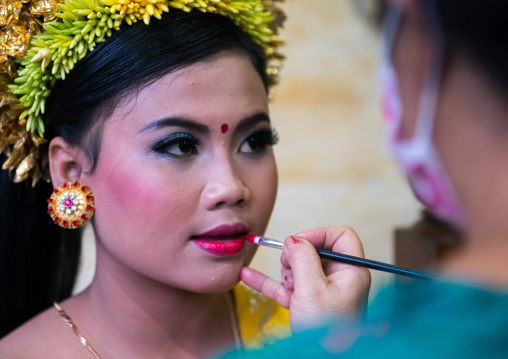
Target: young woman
[(165, 129)]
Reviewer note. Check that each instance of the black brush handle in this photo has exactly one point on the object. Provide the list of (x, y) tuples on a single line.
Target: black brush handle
[(367, 263)]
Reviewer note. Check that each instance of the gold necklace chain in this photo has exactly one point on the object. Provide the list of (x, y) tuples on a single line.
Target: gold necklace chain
[(67, 320), (234, 322)]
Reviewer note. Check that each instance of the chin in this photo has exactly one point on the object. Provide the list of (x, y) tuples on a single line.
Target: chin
[(219, 281), (218, 285)]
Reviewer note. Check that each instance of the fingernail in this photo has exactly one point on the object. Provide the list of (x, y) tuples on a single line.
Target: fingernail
[(293, 241)]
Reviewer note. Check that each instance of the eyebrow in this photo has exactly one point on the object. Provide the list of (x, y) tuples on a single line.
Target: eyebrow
[(175, 121), (198, 127), (251, 121)]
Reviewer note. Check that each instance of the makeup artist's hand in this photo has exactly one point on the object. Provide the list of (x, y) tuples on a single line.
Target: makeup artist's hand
[(315, 291)]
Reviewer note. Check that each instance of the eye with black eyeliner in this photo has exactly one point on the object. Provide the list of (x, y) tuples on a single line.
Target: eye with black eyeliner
[(257, 140), (179, 144)]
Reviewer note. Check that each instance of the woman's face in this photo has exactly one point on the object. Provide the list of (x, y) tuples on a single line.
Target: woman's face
[(185, 170)]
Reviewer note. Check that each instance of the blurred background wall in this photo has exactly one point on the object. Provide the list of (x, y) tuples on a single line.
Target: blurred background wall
[(333, 168)]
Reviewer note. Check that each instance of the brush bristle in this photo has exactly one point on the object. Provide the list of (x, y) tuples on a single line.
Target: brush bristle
[(252, 238)]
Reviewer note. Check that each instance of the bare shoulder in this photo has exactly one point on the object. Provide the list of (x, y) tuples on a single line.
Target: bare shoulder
[(45, 336)]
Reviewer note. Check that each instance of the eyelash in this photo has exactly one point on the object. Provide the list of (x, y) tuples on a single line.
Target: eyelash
[(262, 138), (178, 138)]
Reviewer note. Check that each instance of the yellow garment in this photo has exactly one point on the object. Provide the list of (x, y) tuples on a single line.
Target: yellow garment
[(261, 320)]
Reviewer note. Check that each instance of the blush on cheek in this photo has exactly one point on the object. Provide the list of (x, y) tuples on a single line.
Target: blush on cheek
[(133, 199)]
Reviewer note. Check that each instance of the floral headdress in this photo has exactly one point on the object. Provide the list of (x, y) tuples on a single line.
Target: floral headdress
[(44, 39)]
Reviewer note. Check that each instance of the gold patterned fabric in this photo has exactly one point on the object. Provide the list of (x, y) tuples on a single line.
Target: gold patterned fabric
[(261, 320)]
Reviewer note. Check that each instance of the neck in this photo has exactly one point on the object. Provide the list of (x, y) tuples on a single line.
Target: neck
[(471, 136), (480, 260), (146, 318)]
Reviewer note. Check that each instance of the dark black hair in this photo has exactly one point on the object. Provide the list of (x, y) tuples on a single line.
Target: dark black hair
[(39, 260), (479, 30), (475, 29)]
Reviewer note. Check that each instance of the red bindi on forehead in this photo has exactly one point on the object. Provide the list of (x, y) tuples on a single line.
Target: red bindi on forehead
[(224, 128)]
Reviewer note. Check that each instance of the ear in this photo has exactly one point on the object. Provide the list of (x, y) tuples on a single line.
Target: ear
[(66, 162)]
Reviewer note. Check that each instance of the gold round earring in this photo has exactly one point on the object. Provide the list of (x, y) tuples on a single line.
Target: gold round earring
[(71, 205)]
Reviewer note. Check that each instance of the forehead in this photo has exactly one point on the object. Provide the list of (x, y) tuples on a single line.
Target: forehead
[(224, 89)]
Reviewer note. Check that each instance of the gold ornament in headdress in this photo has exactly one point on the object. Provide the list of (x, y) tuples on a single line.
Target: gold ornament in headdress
[(46, 51)]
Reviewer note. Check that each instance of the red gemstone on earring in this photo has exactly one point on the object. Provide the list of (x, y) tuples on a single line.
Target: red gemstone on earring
[(50, 210), (89, 197), (56, 190), (90, 208), (83, 217), (50, 200), (76, 184), (65, 223), (84, 188), (75, 223), (65, 185), (57, 219)]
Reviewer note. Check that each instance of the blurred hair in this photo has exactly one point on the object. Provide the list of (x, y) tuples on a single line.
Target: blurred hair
[(478, 30), (472, 28)]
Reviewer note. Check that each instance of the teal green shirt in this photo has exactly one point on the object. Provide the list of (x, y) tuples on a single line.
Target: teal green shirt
[(411, 321)]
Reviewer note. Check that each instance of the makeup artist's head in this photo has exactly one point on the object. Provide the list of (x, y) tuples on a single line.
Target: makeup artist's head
[(445, 86), (168, 125)]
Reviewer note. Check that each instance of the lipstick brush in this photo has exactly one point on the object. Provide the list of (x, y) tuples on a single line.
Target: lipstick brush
[(344, 258)]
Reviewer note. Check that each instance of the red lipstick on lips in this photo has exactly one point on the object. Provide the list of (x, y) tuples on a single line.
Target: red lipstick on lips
[(225, 240)]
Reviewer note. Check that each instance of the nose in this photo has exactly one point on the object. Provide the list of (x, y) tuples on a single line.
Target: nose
[(224, 187)]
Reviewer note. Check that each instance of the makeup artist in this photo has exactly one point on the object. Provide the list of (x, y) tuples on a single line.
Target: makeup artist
[(444, 80)]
